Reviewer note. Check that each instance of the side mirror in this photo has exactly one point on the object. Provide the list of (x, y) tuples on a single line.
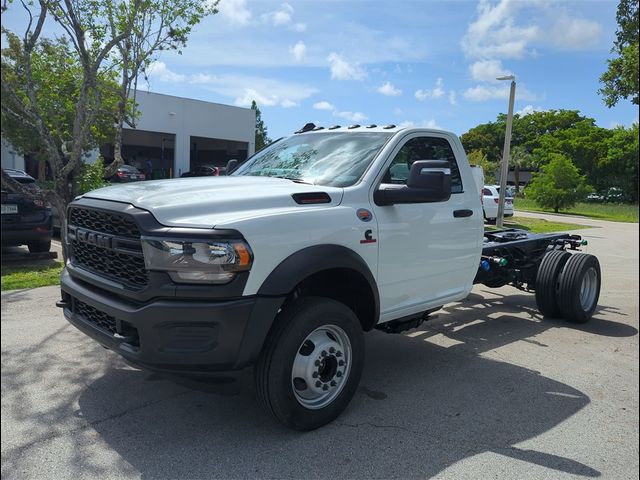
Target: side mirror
[(231, 166), (429, 181)]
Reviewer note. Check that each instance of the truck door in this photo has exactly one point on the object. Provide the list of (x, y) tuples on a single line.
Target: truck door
[(428, 252)]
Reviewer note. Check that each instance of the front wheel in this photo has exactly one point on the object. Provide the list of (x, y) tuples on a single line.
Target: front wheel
[(311, 363)]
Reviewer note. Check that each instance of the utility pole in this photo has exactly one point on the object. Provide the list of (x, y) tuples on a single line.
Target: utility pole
[(504, 167)]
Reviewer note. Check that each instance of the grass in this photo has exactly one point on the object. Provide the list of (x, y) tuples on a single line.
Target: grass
[(33, 276), (601, 211), (538, 225)]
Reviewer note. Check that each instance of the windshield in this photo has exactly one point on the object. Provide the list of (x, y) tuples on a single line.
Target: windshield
[(336, 159)]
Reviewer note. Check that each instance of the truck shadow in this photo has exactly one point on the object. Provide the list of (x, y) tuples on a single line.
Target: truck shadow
[(422, 407)]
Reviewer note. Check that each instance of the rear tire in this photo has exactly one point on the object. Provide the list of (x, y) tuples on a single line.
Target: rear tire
[(547, 282), (579, 288), (39, 247), (315, 342)]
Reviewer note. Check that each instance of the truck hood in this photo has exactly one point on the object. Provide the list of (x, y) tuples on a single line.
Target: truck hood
[(205, 202)]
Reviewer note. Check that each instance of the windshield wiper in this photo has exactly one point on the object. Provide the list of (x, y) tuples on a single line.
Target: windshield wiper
[(293, 179)]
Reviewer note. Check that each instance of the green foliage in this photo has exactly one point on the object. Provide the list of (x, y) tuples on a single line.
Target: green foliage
[(603, 211), (57, 76), (262, 137), (608, 157), (619, 167), (621, 78), (477, 157), (34, 276), (91, 176), (559, 184)]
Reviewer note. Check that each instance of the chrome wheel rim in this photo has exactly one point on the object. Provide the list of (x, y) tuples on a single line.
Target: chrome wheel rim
[(321, 367), (588, 289)]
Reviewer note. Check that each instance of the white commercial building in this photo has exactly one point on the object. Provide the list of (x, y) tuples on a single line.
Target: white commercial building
[(174, 135)]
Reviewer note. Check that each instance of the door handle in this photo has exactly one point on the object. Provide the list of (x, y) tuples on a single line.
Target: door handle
[(462, 213)]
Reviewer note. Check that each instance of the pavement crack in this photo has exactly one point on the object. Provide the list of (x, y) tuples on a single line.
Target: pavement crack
[(375, 425)]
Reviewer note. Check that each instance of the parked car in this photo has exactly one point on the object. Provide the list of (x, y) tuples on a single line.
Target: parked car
[(490, 201), (203, 171), (26, 217), (128, 173), (613, 195)]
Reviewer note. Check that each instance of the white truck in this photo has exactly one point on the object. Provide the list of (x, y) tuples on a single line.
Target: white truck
[(285, 264)]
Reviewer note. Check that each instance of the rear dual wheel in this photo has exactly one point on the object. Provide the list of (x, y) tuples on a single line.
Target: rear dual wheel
[(568, 286), (579, 288)]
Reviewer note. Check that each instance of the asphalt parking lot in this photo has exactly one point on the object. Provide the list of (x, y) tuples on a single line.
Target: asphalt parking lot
[(488, 389)]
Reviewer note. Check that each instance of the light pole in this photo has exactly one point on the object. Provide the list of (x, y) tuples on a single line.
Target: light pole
[(504, 167)]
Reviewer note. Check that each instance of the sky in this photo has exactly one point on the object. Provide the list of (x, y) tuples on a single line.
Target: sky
[(421, 63)]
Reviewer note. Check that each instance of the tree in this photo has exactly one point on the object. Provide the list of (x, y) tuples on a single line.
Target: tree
[(488, 138), (518, 159), (21, 102), (621, 78), (151, 27), (477, 157), (56, 76), (262, 138), (619, 168), (559, 184), (585, 144)]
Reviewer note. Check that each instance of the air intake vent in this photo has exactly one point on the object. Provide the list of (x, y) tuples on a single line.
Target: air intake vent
[(311, 198)]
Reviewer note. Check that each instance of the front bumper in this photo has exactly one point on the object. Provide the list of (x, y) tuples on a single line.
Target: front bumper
[(172, 335), (26, 234)]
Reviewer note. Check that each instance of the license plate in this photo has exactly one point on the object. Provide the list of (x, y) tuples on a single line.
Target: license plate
[(6, 209)]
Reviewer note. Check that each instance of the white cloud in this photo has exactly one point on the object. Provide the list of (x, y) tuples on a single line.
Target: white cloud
[(494, 34), (452, 97), (575, 33), (488, 70), (437, 92), (512, 29), (323, 106), (235, 10), (341, 69), (299, 50), (279, 17), (299, 27), (482, 93), (529, 109), (283, 17), (389, 90), (266, 92), (351, 116), (159, 70)]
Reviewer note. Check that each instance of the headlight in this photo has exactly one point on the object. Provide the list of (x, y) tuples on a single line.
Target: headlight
[(197, 261)]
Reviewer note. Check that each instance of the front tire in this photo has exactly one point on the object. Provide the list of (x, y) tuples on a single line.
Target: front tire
[(311, 363)]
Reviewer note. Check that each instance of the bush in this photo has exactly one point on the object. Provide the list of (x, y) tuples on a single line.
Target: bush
[(92, 176), (559, 184)]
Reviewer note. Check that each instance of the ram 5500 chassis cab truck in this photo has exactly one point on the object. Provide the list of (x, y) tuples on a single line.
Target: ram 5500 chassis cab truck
[(285, 263)]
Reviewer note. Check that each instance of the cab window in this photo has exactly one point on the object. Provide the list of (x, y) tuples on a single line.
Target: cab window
[(423, 148)]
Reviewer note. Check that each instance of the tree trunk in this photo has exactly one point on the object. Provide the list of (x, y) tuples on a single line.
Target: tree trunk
[(516, 176)]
